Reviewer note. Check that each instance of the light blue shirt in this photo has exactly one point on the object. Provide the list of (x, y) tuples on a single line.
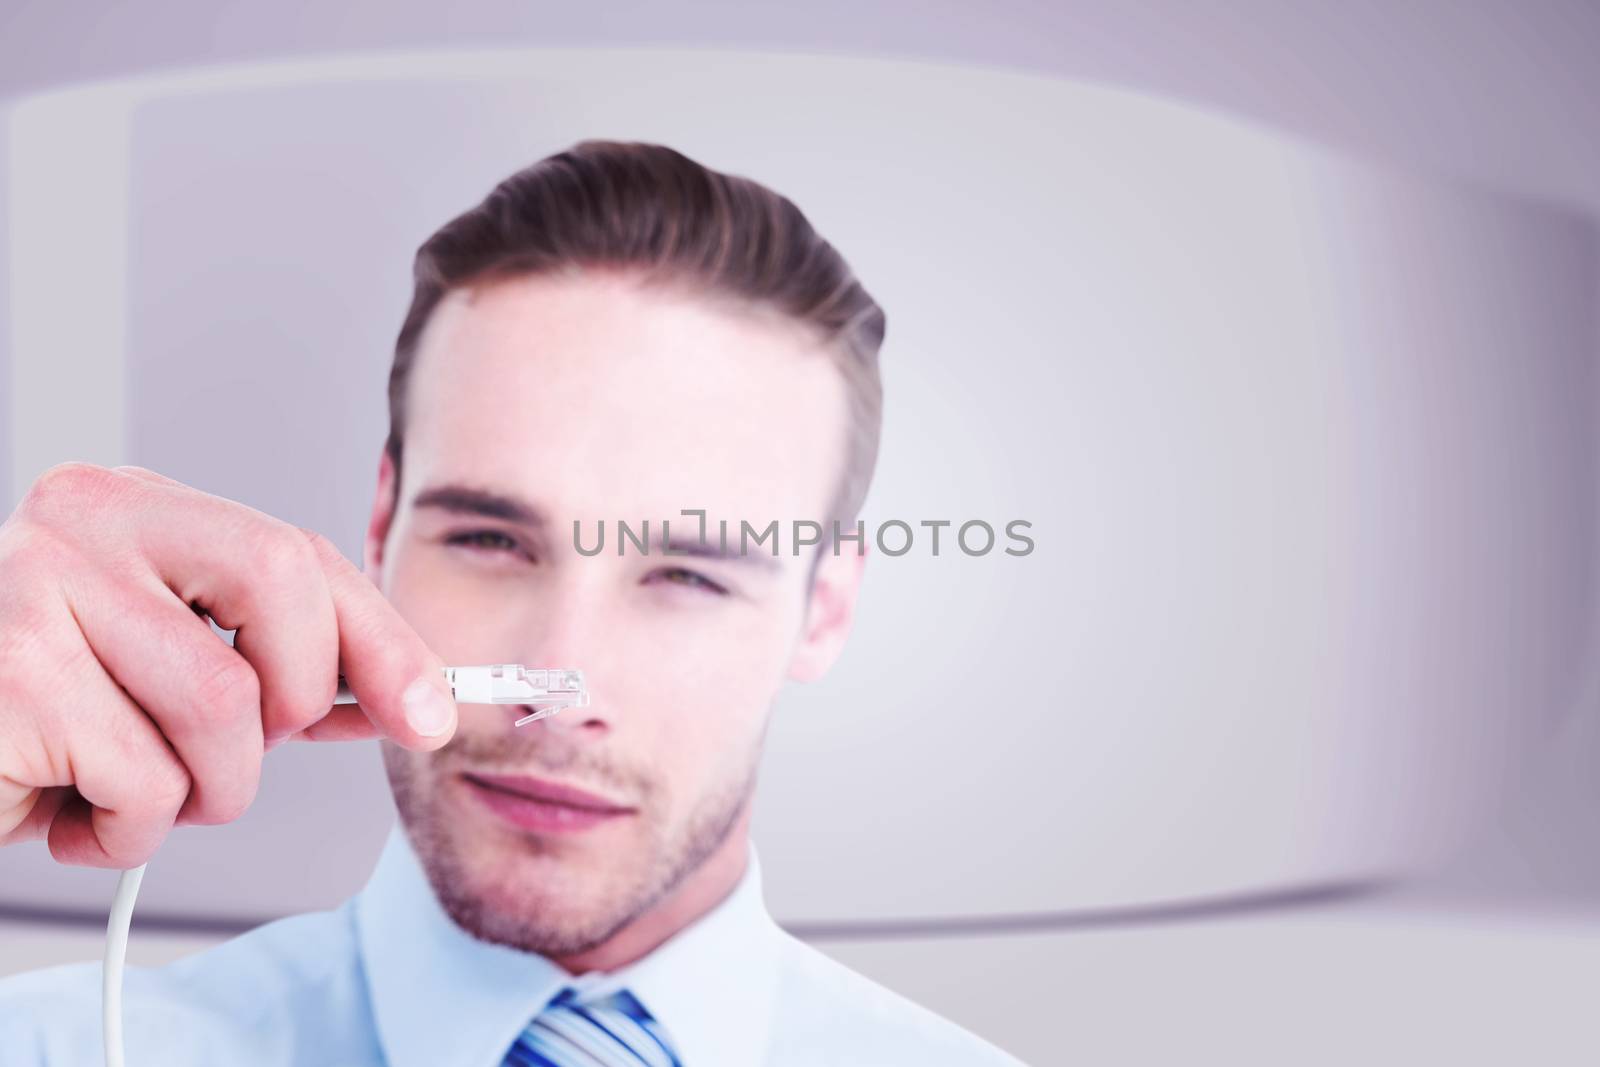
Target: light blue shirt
[(389, 979)]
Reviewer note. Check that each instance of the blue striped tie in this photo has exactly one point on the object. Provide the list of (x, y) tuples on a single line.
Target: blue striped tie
[(613, 1031)]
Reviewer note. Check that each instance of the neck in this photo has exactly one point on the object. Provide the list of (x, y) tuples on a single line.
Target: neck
[(706, 886)]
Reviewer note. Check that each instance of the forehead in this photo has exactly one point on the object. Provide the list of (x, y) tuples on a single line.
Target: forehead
[(599, 397)]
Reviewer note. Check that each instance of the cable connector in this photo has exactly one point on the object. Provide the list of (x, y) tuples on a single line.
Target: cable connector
[(549, 689)]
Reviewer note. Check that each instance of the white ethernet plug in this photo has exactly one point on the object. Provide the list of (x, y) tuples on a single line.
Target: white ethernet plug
[(549, 689)]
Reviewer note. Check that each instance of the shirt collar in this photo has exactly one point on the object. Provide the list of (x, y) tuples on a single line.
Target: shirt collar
[(442, 998), (712, 985)]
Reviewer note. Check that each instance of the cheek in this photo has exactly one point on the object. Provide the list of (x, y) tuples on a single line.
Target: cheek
[(708, 735), (408, 772), (707, 686), (747, 643), (449, 615)]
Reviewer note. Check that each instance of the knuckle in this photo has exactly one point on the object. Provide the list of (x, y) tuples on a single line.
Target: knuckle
[(230, 806), (280, 554), (383, 649), (325, 554), (148, 477), (320, 545), (167, 785), (31, 630), (64, 485), (230, 685), (75, 498), (26, 655), (32, 554), (70, 476), (292, 716), (25, 609)]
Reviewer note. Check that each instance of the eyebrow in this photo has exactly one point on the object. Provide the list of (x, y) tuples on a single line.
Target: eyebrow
[(468, 500), (485, 503)]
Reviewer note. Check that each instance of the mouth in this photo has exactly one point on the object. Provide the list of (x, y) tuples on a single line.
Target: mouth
[(541, 805)]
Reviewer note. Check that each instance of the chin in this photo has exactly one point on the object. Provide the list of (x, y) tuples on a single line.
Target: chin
[(534, 912), (520, 873)]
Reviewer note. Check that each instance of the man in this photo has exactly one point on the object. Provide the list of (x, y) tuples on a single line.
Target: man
[(615, 333)]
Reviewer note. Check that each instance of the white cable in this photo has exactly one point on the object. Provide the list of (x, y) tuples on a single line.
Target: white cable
[(550, 690), (116, 953)]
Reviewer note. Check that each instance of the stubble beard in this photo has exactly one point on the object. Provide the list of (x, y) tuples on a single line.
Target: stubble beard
[(587, 916)]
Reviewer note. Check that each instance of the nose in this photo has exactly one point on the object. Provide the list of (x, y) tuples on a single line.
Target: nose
[(564, 631)]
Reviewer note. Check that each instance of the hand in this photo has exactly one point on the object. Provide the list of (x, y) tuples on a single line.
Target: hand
[(122, 714)]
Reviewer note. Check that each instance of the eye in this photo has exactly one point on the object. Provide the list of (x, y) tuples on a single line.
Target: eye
[(689, 579), (492, 541)]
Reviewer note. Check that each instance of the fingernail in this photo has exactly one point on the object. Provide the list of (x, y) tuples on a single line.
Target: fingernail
[(428, 711)]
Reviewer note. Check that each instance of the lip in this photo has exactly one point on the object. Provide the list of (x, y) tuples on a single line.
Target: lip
[(542, 806), (549, 792)]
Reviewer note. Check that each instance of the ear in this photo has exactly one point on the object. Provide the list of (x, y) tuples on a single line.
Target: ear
[(381, 520), (830, 613)]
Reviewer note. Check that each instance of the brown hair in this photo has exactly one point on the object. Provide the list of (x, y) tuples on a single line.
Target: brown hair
[(648, 209)]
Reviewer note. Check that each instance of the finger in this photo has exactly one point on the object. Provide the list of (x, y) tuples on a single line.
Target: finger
[(31, 819), (204, 696), (129, 783), (258, 577), (346, 722), (147, 475), (397, 680)]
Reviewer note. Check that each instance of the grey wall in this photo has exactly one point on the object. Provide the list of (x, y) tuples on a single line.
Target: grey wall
[(1501, 92), (1496, 94), (1304, 441)]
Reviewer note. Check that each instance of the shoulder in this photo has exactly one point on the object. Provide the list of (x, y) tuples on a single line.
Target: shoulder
[(830, 1014), (255, 998)]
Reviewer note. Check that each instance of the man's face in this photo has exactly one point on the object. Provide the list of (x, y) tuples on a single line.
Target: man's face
[(583, 398)]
